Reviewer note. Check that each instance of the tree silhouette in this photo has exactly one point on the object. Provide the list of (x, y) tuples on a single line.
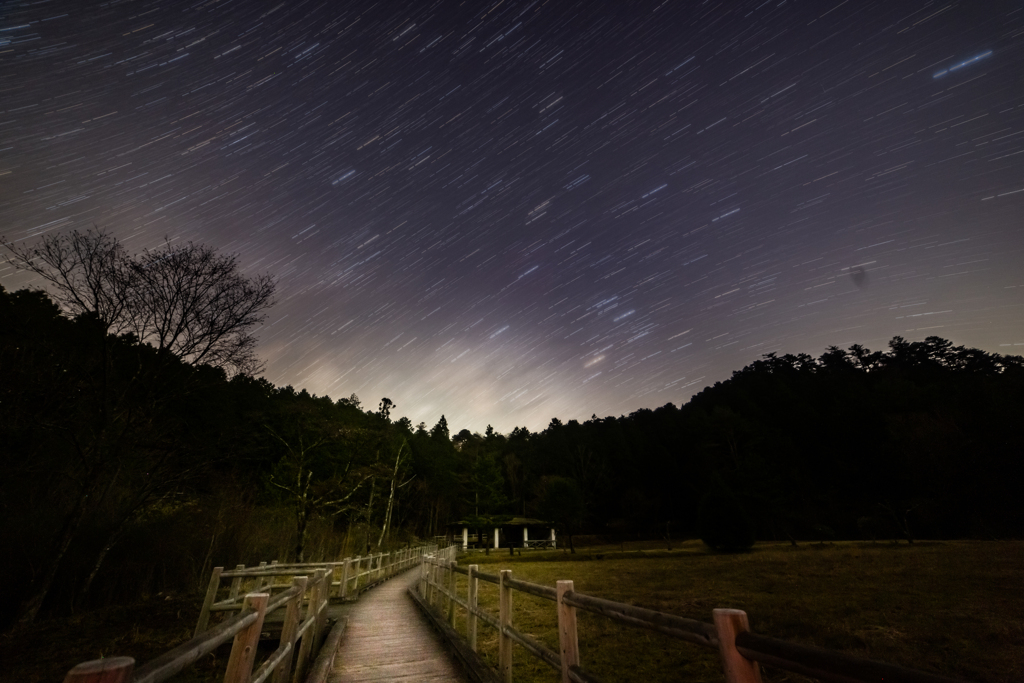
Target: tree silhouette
[(187, 299), (322, 462), (190, 307)]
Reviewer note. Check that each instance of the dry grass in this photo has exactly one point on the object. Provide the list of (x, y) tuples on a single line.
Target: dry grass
[(953, 608)]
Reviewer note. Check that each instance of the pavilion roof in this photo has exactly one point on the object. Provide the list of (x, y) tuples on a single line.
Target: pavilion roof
[(503, 521)]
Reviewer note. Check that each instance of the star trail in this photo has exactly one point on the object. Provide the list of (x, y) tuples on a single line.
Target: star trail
[(516, 210)]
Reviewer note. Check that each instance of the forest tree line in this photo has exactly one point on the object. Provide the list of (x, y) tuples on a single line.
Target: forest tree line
[(134, 460)]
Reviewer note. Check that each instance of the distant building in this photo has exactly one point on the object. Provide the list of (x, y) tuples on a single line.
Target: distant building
[(503, 532)]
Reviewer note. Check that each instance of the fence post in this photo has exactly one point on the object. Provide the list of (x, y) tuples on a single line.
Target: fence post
[(324, 600), (471, 600), (259, 579), (430, 579), (289, 631), (441, 581), (211, 597), (567, 640), (737, 668), (344, 578), (110, 670), (505, 620), (269, 580), (451, 592), (236, 583), (423, 578), (435, 582), (308, 637), (243, 650)]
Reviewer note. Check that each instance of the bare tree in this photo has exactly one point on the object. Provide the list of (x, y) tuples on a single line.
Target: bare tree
[(186, 299), (195, 303), (395, 485), (315, 480), (89, 272)]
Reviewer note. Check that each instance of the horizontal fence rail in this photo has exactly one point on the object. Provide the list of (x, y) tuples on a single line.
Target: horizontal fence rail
[(740, 650), (352, 575), (304, 599)]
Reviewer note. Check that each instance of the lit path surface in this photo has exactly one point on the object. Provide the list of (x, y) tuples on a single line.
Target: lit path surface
[(388, 639)]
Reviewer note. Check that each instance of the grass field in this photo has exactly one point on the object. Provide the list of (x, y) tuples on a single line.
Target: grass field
[(954, 608)]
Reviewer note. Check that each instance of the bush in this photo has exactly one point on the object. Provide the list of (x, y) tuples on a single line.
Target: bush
[(723, 523)]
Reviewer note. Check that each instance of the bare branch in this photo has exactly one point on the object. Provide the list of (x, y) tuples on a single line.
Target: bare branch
[(88, 273), (186, 299)]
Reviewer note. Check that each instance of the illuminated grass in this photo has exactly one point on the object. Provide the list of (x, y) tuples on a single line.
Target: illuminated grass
[(953, 608)]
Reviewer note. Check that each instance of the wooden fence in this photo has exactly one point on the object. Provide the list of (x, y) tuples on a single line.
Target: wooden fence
[(301, 629), (353, 574), (739, 648)]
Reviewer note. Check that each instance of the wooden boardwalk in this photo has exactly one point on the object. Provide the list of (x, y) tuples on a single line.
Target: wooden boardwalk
[(388, 639)]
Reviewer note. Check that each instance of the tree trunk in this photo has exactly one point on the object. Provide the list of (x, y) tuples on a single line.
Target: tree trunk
[(111, 541), (302, 523), (391, 497), (387, 514), (28, 609), (369, 511)]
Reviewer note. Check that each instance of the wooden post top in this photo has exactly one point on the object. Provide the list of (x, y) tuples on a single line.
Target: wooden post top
[(737, 668), (109, 670)]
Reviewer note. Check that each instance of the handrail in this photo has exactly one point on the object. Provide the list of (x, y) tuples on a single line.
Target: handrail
[(489, 578), (545, 592), (740, 649), (697, 632), (301, 630), (351, 577), (826, 665), (173, 661)]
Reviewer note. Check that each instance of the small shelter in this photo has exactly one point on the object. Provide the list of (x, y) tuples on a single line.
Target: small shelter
[(503, 532)]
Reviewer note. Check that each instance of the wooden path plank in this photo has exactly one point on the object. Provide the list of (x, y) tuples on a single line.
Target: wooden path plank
[(388, 639)]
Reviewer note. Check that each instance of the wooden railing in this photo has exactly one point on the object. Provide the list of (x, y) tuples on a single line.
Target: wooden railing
[(352, 577), (740, 649), (300, 629)]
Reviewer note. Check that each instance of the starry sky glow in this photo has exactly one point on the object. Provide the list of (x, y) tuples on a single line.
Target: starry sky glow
[(512, 210)]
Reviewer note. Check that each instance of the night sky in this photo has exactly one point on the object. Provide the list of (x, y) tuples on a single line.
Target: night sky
[(511, 211)]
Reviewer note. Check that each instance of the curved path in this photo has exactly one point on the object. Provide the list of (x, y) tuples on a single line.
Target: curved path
[(388, 639)]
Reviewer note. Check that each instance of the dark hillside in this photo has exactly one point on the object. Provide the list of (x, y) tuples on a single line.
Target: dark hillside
[(919, 441)]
